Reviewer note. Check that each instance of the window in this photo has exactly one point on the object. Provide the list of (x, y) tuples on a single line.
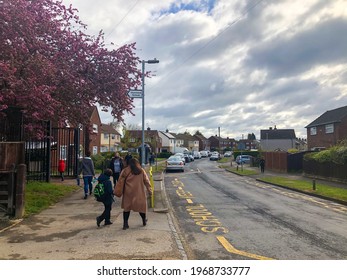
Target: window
[(113, 136), (313, 130), (95, 128), (95, 150), (329, 128), (105, 136), (132, 140), (62, 152)]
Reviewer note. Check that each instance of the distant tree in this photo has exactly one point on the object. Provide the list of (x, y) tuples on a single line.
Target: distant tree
[(197, 133), (126, 141), (52, 70), (251, 136)]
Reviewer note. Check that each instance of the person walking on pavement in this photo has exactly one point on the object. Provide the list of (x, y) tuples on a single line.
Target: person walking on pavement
[(127, 158), (262, 165), (87, 169), (135, 180), (107, 198), (116, 165)]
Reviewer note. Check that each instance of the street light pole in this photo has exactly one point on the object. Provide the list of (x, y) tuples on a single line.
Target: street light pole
[(151, 61)]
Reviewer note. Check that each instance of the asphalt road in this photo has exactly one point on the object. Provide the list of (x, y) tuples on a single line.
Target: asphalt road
[(226, 216)]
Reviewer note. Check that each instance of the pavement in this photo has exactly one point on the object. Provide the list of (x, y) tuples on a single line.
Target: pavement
[(68, 231)]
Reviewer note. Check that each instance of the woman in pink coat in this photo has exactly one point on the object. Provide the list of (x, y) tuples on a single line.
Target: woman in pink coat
[(134, 194)]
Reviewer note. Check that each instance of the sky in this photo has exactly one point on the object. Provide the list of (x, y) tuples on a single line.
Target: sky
[(229, 67)]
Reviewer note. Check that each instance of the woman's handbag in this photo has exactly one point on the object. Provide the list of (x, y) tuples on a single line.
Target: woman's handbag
[(119, 188)]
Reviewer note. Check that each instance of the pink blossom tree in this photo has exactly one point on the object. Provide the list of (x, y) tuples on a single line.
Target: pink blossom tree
[(53, 70)]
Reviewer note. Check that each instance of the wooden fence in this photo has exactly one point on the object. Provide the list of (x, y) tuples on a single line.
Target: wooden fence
[(12, 178)]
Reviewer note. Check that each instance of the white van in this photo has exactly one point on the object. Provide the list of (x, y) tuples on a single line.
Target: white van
[(196, 155), (204, 153)]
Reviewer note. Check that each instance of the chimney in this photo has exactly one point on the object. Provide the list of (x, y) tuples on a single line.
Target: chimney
[(270, 127)]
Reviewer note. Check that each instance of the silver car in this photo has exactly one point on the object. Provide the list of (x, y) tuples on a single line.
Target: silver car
[(175, 163)]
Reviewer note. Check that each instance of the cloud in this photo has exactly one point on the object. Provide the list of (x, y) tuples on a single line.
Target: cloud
[(242, 66)]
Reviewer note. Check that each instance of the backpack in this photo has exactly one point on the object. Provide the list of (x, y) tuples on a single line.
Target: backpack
[(99, 192)]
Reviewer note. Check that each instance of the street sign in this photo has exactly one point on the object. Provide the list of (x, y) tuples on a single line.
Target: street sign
[(135, 93)]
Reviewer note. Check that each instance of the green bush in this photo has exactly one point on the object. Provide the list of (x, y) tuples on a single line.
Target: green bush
[(336, 154)]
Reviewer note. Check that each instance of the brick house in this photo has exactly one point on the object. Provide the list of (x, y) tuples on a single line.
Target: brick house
[(220, 144), (92, 135), (204, 143), (328, 129)]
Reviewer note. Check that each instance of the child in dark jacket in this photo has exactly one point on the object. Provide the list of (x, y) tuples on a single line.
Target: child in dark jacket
[(106, 215)]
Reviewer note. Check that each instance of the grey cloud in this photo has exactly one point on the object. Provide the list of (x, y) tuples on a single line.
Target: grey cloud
[(325, 43)]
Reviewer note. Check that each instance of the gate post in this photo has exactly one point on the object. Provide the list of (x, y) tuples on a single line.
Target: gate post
[(20, 191), (48, 152)]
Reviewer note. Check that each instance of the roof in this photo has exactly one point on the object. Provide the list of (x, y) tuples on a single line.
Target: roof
[(331, 116), (277, 134), (167, 134), (185, 137), (106, 128)]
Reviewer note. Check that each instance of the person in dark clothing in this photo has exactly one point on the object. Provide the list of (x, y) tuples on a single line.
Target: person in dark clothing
[(106, 215), (86, 167), (127, 158), (116, 165), (262, 165)]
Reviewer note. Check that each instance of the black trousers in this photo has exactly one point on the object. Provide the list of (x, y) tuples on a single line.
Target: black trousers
[(106, 215), (115, 177)]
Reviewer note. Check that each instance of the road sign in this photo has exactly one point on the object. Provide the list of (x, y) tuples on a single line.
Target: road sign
[(135, 93)]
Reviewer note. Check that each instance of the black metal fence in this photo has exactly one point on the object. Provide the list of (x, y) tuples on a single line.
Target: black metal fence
[(42, 154)]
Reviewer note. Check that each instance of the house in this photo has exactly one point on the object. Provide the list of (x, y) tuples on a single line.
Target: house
[(220, 144), (168, 141), (92, 134), (134, 139), (109, 139), (247, 144), (189, 141), (328, 129), (274, 139), (178, 141), (204, 143)]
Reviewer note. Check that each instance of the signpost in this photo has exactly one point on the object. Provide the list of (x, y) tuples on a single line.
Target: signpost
[(135, 93)]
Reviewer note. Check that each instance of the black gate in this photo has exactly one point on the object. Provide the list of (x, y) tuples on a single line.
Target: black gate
[(42, 155)]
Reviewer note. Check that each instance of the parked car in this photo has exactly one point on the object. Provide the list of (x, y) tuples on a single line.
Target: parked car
[(181, 155), (196, 155), (228, 154), (215, 156), (191, 157), (243, 159), (204, 153), (187, 158), (174, 163)]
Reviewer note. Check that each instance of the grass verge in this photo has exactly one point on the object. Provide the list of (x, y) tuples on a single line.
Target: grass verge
[(243, 171), (306, 186), (41, 195)]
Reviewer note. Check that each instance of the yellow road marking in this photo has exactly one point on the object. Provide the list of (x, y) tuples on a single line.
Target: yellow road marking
[(231, 249), (189, 201)]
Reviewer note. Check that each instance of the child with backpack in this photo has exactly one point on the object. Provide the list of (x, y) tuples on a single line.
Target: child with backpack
[(103, 192)]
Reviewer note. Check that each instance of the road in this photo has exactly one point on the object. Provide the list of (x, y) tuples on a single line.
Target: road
[(225, 216)]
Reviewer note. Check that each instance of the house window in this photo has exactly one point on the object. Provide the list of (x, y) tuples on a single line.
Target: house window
[(105, 136), (313, 130), (132, 140), (113, 136), (95, 150), (95, 128), (329, 128), (62, 152)]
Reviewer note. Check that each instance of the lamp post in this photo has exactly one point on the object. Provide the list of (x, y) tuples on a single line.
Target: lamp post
[(151, 61)]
